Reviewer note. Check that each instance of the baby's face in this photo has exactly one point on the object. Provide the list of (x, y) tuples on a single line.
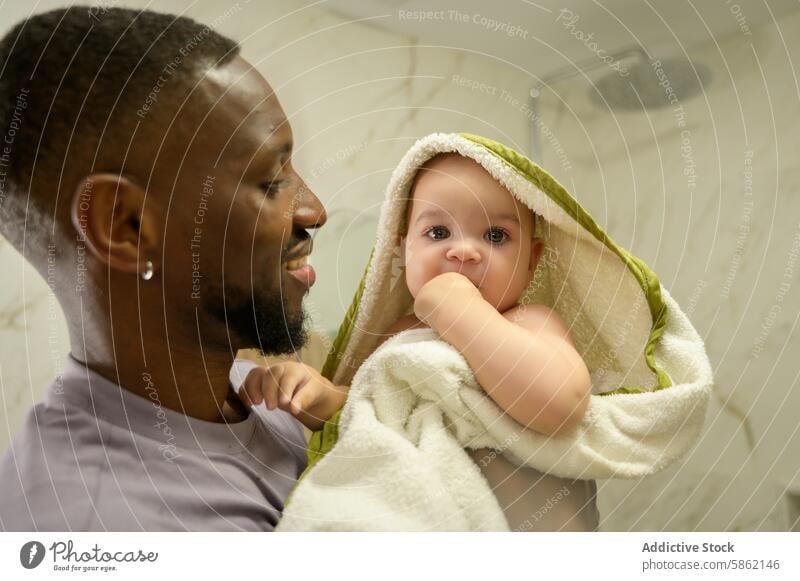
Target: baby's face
[(463, 220)]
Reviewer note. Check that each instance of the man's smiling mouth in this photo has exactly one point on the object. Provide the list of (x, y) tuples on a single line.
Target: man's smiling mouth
[(300, 270), (296, 264)]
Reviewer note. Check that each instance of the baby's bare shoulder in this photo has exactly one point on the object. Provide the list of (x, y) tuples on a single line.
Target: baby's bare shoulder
[(539, 319)]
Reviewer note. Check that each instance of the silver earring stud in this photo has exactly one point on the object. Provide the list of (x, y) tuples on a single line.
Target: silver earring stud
[(148, 270)]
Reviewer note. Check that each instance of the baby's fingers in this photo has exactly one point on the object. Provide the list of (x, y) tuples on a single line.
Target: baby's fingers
[(304, 399), (290, 381), (270, 386), (250, 392)]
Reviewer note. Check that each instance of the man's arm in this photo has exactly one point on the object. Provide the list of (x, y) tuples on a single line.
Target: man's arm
[(529, 367)]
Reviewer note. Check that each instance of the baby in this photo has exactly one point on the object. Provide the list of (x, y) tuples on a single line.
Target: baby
[(470, 252)]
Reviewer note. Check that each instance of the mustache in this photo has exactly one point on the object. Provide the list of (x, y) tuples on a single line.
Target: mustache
[(298, 237)]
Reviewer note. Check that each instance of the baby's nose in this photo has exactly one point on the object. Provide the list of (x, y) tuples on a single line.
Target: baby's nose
[(464, 251)]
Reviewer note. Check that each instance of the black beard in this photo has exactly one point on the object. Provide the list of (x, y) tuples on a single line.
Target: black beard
[(259, 322)]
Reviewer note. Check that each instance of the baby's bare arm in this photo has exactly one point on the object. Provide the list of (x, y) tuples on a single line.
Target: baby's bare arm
[(525, 360)]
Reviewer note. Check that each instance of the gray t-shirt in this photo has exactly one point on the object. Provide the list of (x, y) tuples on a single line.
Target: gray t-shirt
[(93, 456)]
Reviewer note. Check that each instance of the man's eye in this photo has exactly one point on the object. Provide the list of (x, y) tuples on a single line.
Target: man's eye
[(271, 188), (496, 235), (437, 233)]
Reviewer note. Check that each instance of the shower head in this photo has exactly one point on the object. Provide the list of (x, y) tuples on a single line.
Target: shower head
[(651, 85), (648, 84)]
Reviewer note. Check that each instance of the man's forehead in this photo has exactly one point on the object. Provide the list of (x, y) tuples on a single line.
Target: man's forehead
[(244, 109), (238, 91)]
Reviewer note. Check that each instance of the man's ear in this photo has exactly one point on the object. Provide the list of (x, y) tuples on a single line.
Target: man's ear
[(537, 247), (108, 210)]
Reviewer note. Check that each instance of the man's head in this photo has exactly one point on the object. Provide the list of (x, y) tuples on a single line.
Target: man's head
[(143, 138), (462, 220)]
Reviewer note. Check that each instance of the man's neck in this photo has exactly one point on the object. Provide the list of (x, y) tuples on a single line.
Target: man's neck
[(188, 379)]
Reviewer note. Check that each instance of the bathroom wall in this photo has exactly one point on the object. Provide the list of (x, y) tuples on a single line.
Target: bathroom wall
[(357, 95)]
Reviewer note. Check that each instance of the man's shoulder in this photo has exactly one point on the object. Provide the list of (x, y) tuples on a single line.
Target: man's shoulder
[(53, 428), (69, 469), (41, 486)]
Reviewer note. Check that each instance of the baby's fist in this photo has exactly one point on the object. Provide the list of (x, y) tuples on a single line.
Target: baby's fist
[(450, 288)]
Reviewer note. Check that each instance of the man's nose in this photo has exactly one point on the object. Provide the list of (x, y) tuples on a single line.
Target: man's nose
[(464, 251), (308, 211)]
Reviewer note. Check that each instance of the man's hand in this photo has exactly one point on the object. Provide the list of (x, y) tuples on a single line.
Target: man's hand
[(453, 290), (295, 388)]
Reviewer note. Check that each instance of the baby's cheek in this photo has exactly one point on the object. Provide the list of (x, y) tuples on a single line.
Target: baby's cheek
[(411, 283), (409, 253), (504, 284), (413, 278)]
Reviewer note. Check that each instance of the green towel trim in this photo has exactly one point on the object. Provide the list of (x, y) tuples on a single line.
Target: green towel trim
[(322, 441)]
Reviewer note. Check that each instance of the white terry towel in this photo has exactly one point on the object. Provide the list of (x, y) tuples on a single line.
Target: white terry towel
[(414, 406), (651, 376)]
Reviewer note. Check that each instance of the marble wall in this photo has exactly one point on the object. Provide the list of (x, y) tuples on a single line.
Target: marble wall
[(718, 219)]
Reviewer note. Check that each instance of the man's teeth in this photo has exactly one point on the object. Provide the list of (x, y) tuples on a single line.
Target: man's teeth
[(295, 264)]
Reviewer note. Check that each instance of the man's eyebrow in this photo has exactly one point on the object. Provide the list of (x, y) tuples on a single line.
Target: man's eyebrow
[(268, 157), (271, 154), (285, 148)]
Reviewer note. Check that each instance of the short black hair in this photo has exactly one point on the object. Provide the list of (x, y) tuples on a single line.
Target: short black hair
[(66, 73)]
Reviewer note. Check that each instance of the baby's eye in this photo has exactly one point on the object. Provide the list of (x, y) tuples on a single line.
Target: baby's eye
[(437, 233), (496, 235)]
